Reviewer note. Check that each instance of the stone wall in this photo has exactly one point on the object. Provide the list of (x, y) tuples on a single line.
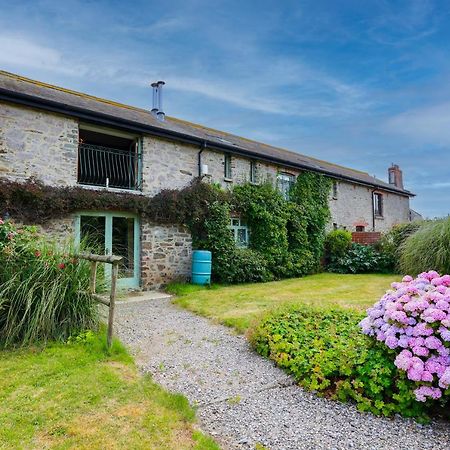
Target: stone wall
[(353, 207), (166, 253), (45, 145), (38, 144)]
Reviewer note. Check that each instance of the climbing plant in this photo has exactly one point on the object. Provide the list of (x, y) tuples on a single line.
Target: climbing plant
[(286, 237)]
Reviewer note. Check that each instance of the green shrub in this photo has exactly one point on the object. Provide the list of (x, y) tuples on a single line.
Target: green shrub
[(391, 242), (427, 249), (326, 352), (359, 259), (42, 289), (245, 266), (337, 243)]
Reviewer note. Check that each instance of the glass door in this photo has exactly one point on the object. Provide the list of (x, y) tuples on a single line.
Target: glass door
[(112, 233)]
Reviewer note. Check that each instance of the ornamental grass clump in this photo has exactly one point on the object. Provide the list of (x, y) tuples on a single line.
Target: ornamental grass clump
[(43, 289), (413, 319)]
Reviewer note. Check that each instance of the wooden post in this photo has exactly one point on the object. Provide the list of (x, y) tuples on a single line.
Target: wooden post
[(114, 261), (112, 301), (93, 280)]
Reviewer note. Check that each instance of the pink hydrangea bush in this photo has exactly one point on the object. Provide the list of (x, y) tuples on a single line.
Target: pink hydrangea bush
[(414, 319)]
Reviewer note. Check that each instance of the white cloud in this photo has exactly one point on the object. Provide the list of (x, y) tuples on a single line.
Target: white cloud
[(428, 125), (22, 52)]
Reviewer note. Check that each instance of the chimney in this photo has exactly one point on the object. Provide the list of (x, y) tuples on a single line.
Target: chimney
[(395, 176), (154, 110), (157, 109)]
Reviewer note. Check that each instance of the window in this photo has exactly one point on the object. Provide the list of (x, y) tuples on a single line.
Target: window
[(108, 158), (360, 228), (253, 173), (285, 182), (335, 190), (240, 232), (335, 226), (378, 204), (227, 167)]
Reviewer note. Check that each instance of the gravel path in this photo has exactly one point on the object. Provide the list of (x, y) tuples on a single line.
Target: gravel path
[(243, 399)]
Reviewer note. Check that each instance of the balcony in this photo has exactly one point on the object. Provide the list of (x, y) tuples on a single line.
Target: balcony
[(108, 167)]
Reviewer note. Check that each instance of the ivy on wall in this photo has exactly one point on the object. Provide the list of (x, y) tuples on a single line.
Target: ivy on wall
[(286, 237)]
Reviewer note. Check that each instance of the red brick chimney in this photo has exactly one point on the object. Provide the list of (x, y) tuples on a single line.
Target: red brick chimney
[(395, 176)]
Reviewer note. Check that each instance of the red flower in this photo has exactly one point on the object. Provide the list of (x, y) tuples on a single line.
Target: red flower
[(37, 253), (61, 265)]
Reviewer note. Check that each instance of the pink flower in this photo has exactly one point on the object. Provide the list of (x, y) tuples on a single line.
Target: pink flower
[(403, 360), (444, 381), (407, 279), (391, 342), (432, 342), (420, 351), (61, 266), (426, 376)]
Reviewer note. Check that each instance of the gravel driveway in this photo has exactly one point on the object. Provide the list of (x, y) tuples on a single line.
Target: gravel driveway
[(243, 399)]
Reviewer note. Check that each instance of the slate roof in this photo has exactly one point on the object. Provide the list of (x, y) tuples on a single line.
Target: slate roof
[(18, 89)]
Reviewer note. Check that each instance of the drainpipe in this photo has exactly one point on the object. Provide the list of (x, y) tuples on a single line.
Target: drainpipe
[(373, 210), (203, 146)]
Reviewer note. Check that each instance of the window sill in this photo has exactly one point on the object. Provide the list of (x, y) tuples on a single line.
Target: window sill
[(379, 217), (110, 189), (228, 180)]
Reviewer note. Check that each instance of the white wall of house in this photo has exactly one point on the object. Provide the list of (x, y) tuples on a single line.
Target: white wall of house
[(352, 206)]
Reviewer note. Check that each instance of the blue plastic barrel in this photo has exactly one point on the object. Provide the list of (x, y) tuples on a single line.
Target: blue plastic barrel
[(201, 267)]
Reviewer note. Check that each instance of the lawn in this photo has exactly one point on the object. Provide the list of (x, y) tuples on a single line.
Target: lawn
[(238, 306), (75, 396)]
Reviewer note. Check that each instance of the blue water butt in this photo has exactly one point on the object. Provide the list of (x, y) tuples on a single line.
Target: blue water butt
[(201, 267)]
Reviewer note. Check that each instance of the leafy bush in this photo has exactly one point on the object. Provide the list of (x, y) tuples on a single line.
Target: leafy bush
[(428, 248), (286, 237), (414, 320), (337, 243), (326, 352), (246, 266), (391, 242), (40, 286), (359, 259)]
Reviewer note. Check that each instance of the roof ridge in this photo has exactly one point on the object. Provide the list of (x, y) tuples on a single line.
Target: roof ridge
[(69, 91), (219, 133)]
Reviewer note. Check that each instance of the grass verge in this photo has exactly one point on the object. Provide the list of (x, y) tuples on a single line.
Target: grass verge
[(74, 395), (241, 305)]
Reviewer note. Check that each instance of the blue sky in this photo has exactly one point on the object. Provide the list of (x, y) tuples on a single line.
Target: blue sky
[(359, 83)]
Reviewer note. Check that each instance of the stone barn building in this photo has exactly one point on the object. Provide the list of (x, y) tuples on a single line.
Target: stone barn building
[(67, 138)]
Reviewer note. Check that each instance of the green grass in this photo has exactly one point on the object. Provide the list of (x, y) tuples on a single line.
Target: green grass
[(240, 305), (69, 396)]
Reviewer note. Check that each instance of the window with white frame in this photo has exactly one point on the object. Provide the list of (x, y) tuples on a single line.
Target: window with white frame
[(253, 172), (378, 204), (227, 173), (285, 182), (240, 232)]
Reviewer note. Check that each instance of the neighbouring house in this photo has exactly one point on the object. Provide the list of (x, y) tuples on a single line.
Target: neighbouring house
[(67, 138)]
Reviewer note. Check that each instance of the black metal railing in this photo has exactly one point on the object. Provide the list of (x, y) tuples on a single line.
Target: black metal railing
[(110, 167)]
